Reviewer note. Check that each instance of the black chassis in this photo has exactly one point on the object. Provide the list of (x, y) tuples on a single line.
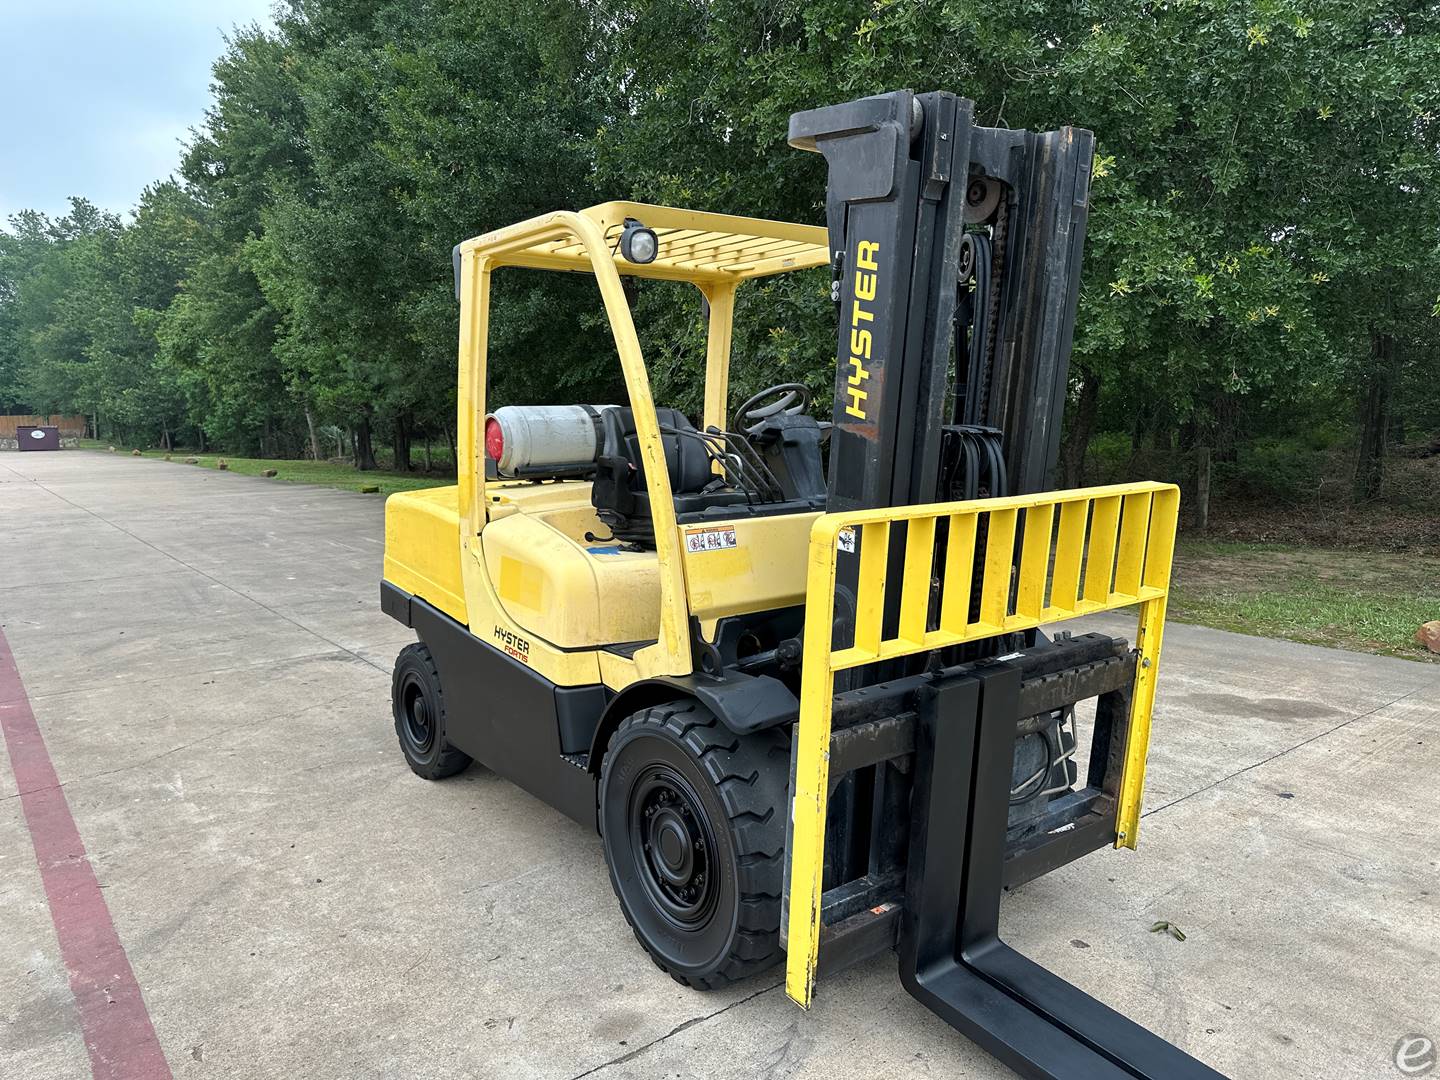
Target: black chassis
[(556, 753), (919, 858)]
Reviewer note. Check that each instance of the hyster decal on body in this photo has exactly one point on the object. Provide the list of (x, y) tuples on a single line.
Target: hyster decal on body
[(862, 341), (513, 644)]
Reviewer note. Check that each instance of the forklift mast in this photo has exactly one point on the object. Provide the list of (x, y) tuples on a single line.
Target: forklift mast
[(956, 258), (934, 754)]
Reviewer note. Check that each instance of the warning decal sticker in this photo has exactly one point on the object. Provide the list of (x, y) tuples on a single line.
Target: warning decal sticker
[(718, 538)]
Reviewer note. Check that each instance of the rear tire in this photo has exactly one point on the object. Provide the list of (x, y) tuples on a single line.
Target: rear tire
[(693, 821), (419, 707)]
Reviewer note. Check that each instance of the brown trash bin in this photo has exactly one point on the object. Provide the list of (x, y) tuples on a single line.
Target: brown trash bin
[(33, 437)]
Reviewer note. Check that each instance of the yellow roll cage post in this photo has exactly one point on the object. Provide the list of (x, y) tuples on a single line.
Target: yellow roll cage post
[(714, 252), (1111, 548)]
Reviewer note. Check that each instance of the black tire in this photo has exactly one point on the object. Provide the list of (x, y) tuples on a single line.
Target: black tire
[(419, 707), (693, 820)]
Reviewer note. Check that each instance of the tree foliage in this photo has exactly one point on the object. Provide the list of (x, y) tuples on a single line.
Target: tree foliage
[(1263, 250)]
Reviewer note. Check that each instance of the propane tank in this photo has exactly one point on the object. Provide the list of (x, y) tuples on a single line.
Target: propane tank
[(535, 436)]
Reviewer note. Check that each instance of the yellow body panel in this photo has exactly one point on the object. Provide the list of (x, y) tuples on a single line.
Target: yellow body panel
[(575, 593), (422, 547), (490, 621), (561, 590), (531, 575), (1141, 517), (509, 496), (763, 571)]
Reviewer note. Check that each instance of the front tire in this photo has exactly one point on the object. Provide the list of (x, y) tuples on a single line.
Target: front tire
[(693, 821), (418, 703)]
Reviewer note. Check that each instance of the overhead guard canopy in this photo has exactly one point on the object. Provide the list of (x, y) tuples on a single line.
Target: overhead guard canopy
[(694, 246)]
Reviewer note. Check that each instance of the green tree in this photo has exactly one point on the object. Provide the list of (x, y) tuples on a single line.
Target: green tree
[(412, 153), (1215, 251), (220, 334), (62, 304), (1261, 259)]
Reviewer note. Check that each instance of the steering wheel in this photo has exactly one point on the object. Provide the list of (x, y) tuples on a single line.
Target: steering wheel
[(789, 399)]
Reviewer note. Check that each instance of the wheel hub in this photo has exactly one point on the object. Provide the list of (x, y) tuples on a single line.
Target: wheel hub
[(671, 831), (419, 724), (673, 846)]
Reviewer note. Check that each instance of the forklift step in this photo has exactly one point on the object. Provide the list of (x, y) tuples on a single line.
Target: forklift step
[(951, 957)]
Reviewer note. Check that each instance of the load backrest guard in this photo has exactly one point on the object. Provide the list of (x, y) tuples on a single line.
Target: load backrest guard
[(971, 571)]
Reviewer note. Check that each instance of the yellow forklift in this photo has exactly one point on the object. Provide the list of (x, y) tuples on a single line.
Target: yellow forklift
[(794, 669)]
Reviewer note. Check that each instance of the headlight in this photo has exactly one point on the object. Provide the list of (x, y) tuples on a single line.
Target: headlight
[(637, 243)]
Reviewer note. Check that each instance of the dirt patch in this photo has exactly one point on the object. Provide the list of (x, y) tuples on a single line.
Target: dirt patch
[(1406, 518)]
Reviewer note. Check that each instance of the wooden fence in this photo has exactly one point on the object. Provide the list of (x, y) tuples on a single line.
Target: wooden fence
[(68, 425)]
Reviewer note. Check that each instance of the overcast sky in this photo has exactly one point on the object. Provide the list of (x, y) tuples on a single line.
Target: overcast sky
[(96, 95)]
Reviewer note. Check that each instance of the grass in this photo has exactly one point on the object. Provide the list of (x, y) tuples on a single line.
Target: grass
[(333, 474), (1366, 601)]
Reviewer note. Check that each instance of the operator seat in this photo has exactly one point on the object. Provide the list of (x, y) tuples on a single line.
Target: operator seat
[(619, 495)]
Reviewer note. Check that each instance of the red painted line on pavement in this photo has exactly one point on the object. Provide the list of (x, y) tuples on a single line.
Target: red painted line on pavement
[(118, 1034)]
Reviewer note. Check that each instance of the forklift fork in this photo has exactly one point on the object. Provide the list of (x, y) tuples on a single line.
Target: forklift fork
[(951, 956)]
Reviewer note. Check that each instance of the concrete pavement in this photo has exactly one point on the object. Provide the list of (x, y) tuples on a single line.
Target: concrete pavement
[(205, 657)]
